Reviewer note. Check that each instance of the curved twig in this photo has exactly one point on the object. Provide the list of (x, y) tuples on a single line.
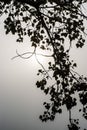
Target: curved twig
[(21, 55), (32, 53), (42, 66)]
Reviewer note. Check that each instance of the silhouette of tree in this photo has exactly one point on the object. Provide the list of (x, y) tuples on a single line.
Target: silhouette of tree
[(48, 23)]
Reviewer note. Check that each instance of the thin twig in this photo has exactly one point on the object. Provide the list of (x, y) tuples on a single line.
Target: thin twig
[(42, 7), (76, 73), (21, 55), (42, 66), (74, 77)]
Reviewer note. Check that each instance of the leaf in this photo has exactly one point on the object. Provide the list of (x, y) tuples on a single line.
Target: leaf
[(47, 106), (42, 47), (60, 111), (42, 31), (38, 84), (75, 65), (46, 91)]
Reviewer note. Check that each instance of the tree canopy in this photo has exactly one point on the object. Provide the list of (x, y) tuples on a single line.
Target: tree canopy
[(52, 24)]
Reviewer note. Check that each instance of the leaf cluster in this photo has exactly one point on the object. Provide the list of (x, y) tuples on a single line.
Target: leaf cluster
[(48, 23)]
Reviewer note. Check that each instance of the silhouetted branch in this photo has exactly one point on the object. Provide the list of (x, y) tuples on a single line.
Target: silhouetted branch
[(70, 116), (44, 24), (75, 77), (76, 73), (47, 7)]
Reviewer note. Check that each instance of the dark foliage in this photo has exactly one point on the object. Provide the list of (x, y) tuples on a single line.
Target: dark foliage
[(48, 24)]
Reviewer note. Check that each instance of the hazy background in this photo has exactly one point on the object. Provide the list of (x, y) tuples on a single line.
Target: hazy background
[(20, 100)]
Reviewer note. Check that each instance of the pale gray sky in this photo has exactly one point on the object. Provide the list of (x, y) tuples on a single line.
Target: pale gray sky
[(20, 100)]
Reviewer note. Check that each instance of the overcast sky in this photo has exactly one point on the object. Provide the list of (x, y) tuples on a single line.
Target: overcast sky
[(20, 100)]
